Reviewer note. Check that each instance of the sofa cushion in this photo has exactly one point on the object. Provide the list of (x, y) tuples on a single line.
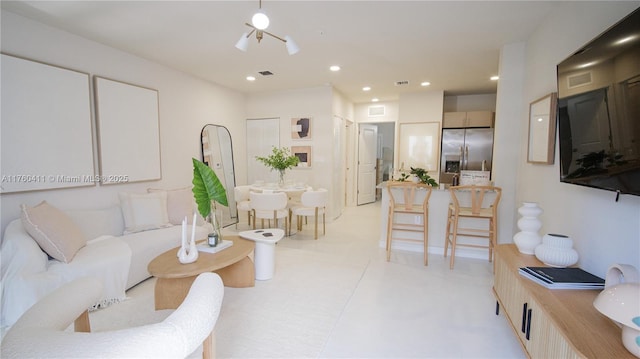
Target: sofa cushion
[(54, 230), (98, 222), (145, 211), (180, 203)]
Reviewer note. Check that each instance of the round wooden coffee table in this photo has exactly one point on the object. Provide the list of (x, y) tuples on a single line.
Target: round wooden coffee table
[(174, 278)]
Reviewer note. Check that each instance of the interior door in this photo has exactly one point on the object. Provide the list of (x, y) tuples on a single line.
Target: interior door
[(263, 134), (367, 150)]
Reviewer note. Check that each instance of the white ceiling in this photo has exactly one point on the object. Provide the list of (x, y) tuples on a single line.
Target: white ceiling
[(454, 45)]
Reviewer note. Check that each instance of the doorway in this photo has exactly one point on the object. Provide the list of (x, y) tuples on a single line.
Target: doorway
[(375, 159)]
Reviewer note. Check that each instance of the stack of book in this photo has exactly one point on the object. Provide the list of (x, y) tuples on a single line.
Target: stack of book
[(562, 278)]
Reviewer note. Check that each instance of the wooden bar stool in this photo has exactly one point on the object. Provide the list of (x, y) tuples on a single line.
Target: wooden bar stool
[(469, 202), (403, 201)]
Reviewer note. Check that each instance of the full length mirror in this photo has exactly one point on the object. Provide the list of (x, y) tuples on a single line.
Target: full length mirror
[(542, 130), (217, 153)]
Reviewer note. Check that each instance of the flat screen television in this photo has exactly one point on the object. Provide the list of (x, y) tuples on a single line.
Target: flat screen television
[(599, 111)]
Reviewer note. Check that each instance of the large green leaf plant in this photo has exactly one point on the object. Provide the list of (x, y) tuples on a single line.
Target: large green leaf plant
[(207, 188)]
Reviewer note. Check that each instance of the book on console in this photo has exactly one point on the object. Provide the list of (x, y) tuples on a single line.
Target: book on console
[(562, 278)]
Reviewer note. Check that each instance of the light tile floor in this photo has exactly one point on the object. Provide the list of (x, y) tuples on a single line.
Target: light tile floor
[(337, 297)]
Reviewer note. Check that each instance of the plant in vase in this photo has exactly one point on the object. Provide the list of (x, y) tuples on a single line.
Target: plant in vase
[(423, 176), (280, 160), (207, 190)]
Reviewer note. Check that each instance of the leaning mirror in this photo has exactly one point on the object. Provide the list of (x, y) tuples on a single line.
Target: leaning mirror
[(217, 153), (542, 130)]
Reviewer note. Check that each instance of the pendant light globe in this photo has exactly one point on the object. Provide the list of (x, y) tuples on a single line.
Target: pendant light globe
[(260, 21)]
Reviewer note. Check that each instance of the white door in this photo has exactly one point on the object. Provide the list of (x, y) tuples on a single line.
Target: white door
[(262, 135), (367, 150)]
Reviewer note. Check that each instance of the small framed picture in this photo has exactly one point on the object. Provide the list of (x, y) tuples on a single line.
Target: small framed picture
[(304, 155), (301, 128)]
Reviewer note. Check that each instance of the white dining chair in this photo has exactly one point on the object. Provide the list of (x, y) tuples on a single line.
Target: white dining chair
[(242, 201), (269, 206), (313, 203)]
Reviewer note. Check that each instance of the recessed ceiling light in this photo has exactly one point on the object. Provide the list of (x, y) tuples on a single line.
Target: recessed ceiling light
[(334, 68), (426, 83), (251, 78), (494, 78), (366, 88), (375, 99)]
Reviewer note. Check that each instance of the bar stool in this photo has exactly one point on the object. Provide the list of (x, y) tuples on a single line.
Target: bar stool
[(469, 202), (402, 200)]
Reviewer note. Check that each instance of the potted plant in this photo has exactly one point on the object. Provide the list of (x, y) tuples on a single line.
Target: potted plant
[(280, 160), (207, 190), (423, 176)]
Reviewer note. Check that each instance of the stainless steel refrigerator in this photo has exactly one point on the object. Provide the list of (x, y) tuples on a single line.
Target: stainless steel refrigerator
[(465, 149)]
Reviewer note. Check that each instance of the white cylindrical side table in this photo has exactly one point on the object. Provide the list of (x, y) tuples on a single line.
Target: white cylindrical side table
[(264, 254)]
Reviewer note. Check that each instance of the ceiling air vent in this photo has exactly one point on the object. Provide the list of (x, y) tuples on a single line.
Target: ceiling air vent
[(376, 111), (578, 80), (402, 83), (265, 73)]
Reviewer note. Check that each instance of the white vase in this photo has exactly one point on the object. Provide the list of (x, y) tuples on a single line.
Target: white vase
[(556, 250), (528, 238)]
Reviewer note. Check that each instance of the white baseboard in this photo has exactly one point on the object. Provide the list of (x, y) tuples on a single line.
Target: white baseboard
[(477, 253)]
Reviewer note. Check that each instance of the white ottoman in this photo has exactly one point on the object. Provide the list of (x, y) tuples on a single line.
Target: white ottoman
[(264, 254)]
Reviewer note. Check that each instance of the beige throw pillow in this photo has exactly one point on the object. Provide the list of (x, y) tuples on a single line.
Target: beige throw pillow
[(145, 211), (53, 230), (180, 203)]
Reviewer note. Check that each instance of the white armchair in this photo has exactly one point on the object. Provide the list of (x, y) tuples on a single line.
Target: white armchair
[(40, 332)]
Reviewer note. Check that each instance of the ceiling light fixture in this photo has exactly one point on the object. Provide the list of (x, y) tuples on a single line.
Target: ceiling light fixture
[(259, 22), (334, 68)]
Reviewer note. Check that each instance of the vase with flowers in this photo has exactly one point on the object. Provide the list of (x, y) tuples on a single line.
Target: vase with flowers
[(279, 160)]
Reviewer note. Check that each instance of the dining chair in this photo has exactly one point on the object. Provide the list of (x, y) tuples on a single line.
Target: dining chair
[(269, 205), (408, 213), (242, 201), (476, 202), (312, 203)]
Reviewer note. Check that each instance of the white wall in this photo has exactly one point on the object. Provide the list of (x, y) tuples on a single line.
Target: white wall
[(186, 105), (604, 231)]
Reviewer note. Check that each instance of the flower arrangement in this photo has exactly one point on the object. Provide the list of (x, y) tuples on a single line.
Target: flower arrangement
[(280, 160)]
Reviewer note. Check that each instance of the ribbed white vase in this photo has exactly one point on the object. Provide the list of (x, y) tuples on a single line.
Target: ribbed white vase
[(528, 238), (556, 250)]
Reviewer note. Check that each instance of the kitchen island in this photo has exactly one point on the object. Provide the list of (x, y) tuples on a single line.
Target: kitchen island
[(438, 206)]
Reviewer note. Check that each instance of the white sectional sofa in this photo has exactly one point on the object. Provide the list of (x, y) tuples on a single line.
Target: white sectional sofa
[(120, 241)]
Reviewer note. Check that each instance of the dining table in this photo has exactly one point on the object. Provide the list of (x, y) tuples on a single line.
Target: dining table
[(293, 191)]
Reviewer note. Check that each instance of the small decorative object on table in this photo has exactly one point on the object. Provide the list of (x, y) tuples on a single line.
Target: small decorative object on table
[(528, 238), (556, 250), (188, 253)]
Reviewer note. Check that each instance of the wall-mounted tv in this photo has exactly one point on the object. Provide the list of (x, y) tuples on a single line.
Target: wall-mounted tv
[(599, 111)]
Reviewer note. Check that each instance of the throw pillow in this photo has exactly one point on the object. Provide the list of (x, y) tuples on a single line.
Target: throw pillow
[(143, 212), (53, 230), (180, 203)]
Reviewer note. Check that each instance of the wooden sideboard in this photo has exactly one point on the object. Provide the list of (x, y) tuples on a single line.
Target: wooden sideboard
[(552, 323)]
